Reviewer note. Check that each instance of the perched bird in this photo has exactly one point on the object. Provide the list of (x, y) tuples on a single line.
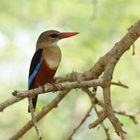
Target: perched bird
[(45, 60)]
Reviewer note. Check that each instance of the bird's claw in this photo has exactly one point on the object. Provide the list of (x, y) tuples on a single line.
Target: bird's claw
[(56, 87)]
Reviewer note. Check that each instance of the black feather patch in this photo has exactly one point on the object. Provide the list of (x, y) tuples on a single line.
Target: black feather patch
[(35, 65)]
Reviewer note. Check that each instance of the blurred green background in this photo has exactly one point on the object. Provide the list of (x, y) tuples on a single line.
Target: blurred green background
[(101, 23)]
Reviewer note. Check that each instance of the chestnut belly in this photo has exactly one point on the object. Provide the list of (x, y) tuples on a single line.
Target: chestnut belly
[(44, 75)]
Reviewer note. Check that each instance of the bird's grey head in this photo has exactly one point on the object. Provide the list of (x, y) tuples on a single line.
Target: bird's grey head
[(51, 37), (48, 38)]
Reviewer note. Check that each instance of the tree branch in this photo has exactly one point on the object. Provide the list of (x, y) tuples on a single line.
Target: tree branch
[(9, 102), (81, 122), (39, 116), (57, 87)]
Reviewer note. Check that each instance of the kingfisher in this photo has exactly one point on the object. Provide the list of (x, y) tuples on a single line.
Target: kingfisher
[(45, 60)]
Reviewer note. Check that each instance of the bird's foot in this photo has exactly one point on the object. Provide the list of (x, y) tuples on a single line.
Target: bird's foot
[(56, 87)]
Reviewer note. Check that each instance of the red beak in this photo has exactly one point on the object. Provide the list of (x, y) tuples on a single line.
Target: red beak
[(67, 34)]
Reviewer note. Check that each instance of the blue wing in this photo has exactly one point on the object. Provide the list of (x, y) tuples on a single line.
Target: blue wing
[(34, 67)]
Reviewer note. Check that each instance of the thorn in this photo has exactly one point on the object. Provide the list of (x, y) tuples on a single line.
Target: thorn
[(15, 93)]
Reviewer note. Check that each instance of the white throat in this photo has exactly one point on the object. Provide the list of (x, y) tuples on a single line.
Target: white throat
[(52, 44), (52, 56)]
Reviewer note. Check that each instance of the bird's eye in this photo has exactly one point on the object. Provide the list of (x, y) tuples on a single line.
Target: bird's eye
[(53, 35)]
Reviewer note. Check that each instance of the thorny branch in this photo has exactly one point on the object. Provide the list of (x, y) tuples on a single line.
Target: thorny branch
[(100, 74), (82, 121), (46, 109), (57, 87)]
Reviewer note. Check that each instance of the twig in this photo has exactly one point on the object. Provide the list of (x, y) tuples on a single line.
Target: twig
[(92, 97), (119, 84), (40, 115), (34, 119), (98, 121), (81, 122), (133, 46), (105, 129), (94, 102), (106, 132), (132, 116)]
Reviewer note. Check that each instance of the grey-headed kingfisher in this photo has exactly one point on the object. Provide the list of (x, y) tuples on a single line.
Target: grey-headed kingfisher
[(46, 59)]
